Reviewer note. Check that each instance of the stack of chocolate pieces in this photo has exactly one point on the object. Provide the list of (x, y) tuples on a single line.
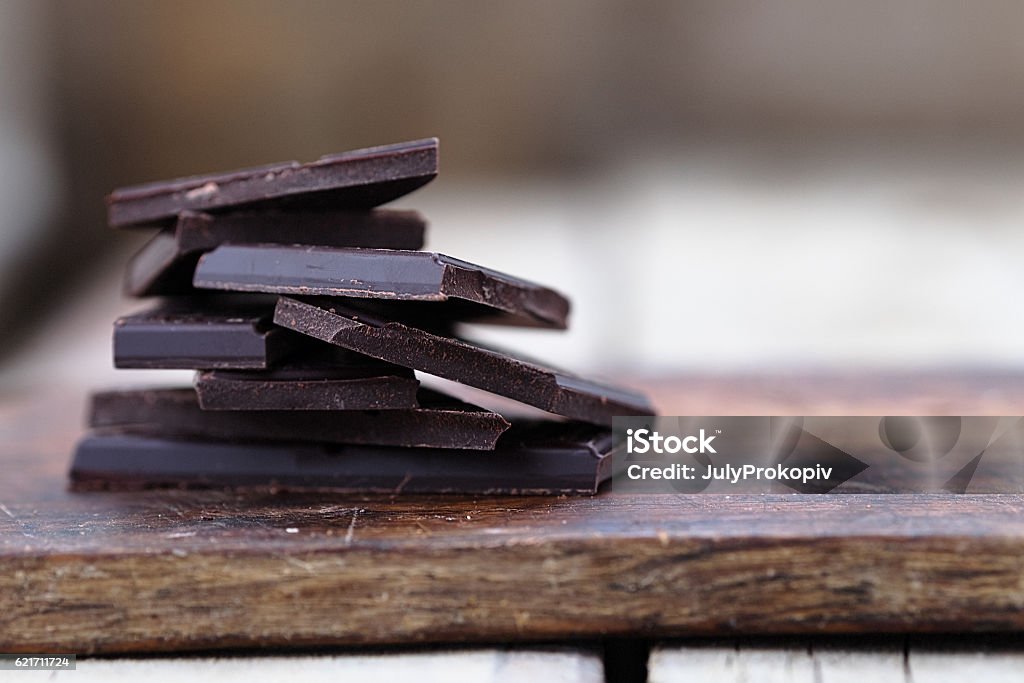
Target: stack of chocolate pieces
[(306, 313)]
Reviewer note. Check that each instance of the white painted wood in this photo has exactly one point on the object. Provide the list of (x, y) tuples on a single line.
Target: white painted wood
[(732, 665), (836, 665), (830, 665), (969, 667), (767, 665), (471, 666)]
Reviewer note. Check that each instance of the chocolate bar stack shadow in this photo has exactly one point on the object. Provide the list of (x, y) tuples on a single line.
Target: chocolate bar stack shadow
[(306, 313)]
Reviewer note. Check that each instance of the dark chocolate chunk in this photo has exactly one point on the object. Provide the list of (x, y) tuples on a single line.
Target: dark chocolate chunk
[(359, 179), (160, 267), (542, 458), (460, 361), (374, 229), (440, 421), (195, 334), (165, 265), (481, 294), (366, 384)]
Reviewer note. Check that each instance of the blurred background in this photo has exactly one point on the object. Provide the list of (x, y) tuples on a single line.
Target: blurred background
[(730, 186)]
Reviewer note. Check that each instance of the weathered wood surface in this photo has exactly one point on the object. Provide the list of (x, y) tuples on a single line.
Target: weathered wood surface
[(177, 570)]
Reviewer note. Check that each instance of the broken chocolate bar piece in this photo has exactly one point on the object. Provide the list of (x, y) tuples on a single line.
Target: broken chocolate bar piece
[(165, 264), (477, 293), (540, 458), (460, 361), (359, 179), (186, 334), (366, 384), (439, 421), (375, 229)]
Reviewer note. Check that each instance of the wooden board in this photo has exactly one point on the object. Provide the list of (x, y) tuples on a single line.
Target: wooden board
[(444, 666), (790, 664), (901, 660), (177, 570)]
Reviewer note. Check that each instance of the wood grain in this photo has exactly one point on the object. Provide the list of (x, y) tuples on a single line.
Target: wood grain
[(188, 570)]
